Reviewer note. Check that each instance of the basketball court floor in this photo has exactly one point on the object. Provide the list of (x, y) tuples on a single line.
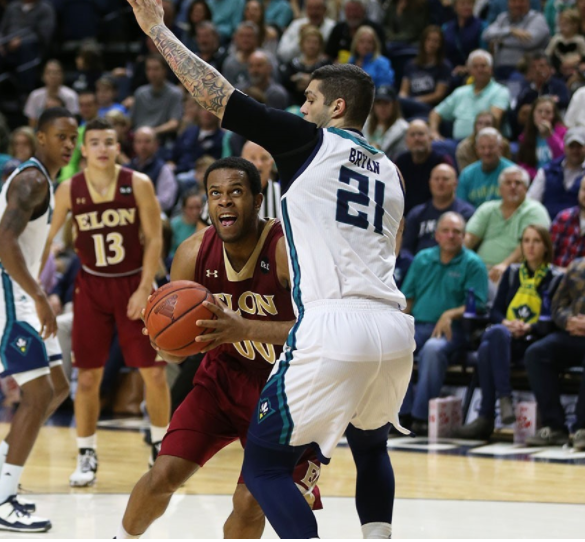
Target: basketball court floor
[(450, 489)]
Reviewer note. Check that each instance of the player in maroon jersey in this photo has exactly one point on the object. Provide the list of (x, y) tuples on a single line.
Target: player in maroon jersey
[(118, 239), (242, 259)]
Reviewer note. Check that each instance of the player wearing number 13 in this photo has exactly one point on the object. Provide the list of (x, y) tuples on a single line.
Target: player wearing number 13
[(348, 358), (118, 239)]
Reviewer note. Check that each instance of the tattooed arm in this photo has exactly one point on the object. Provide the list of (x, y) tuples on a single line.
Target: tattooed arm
[(27, 196), (211, 90)]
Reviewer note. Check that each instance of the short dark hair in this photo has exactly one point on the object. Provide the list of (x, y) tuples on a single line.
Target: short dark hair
[(49, 116), (159, 58), (539, 55), (350, 83), (87, 92), (191, 193), (239, 164), (100, 123)]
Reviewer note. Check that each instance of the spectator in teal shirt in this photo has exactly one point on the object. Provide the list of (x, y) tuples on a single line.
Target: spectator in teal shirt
[(278, 13), (189, 221), (436, 288), (478, 182), (226, 16), (466, 102)]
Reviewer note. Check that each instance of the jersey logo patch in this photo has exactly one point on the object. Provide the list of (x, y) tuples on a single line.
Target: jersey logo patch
[(80, 201), (265, 265), (125, 190), (264, 409), (167, 308), (210, 273), (21, 344)]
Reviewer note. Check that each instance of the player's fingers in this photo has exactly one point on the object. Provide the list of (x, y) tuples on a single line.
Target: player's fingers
[(206, 338), (210, 346), (144, 331), (214, 324), (219, 301), (214, 308), (54, 327)]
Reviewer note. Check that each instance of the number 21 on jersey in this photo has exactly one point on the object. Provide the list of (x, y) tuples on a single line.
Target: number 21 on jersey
[(361, 219), (109, 249)]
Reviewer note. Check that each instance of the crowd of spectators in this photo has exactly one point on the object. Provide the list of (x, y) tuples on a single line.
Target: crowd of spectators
[(481, 104)]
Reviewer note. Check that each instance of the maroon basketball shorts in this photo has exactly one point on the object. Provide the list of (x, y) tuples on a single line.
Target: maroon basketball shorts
[(217, 412), (99, 306)]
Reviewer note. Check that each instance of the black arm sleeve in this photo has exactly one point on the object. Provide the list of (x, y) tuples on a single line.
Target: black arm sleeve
[(288, 138)]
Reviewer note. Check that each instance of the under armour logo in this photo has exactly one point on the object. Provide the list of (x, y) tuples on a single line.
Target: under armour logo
[(210, 273), (80, 201), (125, 190), (265, 265), (167, 307)]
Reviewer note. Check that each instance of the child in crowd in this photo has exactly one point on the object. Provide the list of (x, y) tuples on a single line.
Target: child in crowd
[(568, 41)]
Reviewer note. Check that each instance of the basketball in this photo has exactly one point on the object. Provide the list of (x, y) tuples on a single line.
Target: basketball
[(171, 315)]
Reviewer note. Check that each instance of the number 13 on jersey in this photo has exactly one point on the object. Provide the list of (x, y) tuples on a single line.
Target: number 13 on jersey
[(360, 219), (111, 254)]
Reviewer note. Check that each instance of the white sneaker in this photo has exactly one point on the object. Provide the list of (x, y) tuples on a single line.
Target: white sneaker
[(87, 465), (29, 506), (13, 517)]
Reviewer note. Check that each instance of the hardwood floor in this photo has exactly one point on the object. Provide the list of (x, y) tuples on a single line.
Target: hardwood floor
[(123, 458)]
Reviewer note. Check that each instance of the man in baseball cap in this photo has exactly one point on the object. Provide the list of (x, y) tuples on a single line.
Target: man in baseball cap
[(557, 184)]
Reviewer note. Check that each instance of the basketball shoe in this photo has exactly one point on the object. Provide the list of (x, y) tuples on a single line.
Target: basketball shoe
[(87, 465), (29, 506), (14, 517)]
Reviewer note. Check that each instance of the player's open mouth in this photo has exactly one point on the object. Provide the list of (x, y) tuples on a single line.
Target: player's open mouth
[(227, 220)]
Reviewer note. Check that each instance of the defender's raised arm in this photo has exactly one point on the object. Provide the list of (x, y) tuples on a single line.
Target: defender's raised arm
[(211, 90)]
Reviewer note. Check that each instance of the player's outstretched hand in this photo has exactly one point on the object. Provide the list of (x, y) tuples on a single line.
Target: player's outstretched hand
[(46, 317), (229, 327), (148, 13)]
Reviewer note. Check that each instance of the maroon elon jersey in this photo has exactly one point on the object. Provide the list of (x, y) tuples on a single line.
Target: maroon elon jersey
[(255, 292), (107, 239)]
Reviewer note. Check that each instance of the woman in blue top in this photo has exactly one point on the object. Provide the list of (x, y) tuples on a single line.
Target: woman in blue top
[(518, 315), (365, 53), (426, 78)]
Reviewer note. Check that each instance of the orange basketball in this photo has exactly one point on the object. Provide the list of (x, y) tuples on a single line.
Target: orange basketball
[(171, 315)]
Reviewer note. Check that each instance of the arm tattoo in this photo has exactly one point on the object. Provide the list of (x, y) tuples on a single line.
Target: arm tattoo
[(206, 84), (27, 193)]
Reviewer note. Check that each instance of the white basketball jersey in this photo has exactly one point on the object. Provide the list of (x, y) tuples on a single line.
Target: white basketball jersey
[(33, 238), (341, 216)]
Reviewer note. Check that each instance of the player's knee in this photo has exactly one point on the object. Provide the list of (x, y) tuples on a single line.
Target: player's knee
[(434, 346), (155, 377), (164, 478), (88, 381), (246, 507), (61, 391), (37, 395)]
